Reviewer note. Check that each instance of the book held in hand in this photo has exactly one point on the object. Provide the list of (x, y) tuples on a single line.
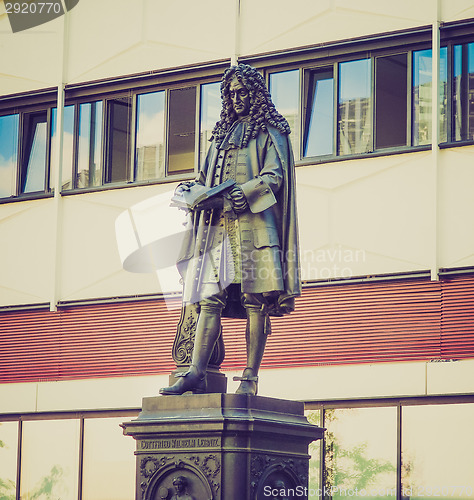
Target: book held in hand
[(199, 197)]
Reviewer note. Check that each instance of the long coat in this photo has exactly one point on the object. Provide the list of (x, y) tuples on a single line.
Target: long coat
[(268, 228)]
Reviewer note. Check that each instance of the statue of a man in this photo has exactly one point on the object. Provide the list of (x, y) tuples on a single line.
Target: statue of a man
[(241, 258)]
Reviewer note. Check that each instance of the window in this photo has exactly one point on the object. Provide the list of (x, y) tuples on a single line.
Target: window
[(182, 130), (422, 84), (68, 142), (391, 101), (8, 154), (393, 450), (89, 153), (361, 451), (463, 92), (434, 466), (210, 114), (314, 450), (382, 102), (50, 459), (150, 141), (109, 462), (319, 114), (284, 88), (355, 107), (34, 169), (376, 99), (371, 449), (118, 139), (8, 459), (67, 457)]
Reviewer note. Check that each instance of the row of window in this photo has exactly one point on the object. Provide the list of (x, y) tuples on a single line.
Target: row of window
[(378, 103), (352, 107), (117, 140), (67, 459), (380, 452)]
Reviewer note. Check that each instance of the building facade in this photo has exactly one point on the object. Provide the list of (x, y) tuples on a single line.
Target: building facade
[(106, 108)]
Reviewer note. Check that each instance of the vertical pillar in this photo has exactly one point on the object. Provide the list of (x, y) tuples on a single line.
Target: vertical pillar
[(435, 139), (57, 180)]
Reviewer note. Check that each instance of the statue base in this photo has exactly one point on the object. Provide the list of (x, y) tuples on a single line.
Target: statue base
[(221, 447)]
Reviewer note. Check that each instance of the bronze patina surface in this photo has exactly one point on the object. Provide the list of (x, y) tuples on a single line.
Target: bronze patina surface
[(240, 256)]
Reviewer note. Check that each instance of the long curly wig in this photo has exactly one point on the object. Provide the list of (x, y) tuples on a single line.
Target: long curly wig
[(262, 109)]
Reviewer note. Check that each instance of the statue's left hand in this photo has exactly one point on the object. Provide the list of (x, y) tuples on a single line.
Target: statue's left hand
[(238, 200)]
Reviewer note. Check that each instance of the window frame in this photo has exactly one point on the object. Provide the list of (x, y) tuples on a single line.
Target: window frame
[(312, 405), (311, 59), (305, 60), (105, 92), (25, 105)]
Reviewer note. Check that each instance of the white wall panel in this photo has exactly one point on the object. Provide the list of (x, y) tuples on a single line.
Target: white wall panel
[(91, 265), (456, 207), (118, 37), (455, 10), (365, 217), (29, 59), (100, 34), (331, 382), (26, 263), (17, 398), (274, 24), (455, 377)]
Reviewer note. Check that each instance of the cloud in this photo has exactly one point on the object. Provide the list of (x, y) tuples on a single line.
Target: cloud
[(7, 176)]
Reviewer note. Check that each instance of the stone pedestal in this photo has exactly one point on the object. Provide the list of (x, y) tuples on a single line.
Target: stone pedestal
[(221, 447)]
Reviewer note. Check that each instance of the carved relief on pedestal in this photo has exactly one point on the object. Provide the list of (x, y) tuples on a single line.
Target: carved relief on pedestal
[(184, 477), (272, 476)]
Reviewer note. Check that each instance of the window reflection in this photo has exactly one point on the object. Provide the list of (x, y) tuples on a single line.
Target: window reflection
[(422, 83), (119, 110), (49, 461), (89, 164), (68, 144), (210, 113), (355, 107), (360, 452), (319, 119), (285, 90), (391, 101), (182, 130), (150, 142), (314, 417), (437, 463), (457, 101), (470, 89), (34, 164), (109, 462), (8, 154), (8, 459)]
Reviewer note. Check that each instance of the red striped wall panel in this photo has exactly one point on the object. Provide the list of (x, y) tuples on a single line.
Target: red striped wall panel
[(372, 322)]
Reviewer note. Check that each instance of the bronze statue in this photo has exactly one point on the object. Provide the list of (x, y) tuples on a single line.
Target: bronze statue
[(240, 258)]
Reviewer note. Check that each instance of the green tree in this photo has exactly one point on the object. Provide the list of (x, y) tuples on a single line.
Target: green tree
[(7, 486), (350, 468), (44, 490)]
